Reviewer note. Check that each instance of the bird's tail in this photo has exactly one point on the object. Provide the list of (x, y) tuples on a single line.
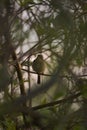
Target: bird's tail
[(38, 80)]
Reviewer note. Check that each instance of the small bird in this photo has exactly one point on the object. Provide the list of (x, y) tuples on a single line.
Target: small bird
[(38, 66)]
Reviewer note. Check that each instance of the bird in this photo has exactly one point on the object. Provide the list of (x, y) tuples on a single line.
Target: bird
[(38, 66)]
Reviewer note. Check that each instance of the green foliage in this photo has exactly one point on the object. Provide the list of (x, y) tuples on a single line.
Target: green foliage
[(25, 2), (10, 125)]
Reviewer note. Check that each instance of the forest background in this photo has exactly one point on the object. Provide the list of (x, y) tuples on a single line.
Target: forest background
[(58, 31)]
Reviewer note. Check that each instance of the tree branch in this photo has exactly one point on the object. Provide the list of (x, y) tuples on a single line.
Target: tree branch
[(68, 99)]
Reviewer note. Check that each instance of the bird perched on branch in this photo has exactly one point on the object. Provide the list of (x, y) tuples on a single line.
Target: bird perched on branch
[(38, 66)]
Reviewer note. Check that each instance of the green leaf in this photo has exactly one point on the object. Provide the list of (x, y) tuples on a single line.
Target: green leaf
[(78, 127), (25, 2), (9, 124), (44, 101)]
